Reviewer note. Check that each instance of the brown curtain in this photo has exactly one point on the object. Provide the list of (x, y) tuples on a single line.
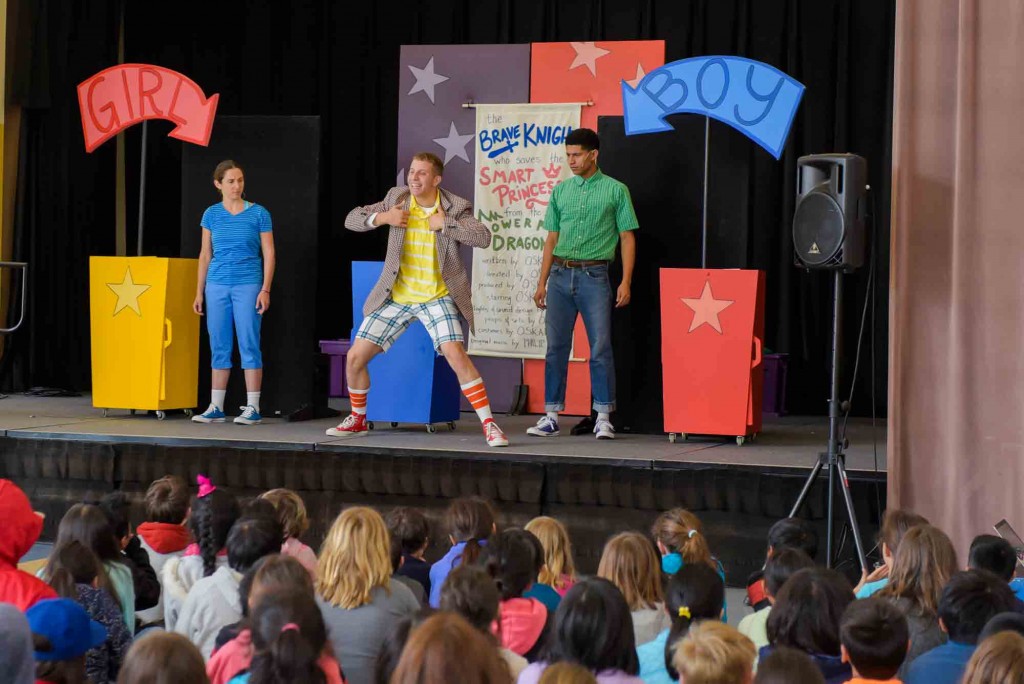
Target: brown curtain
[(956, 403)]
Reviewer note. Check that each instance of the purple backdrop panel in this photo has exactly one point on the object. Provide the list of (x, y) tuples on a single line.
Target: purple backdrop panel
[(434, 82)]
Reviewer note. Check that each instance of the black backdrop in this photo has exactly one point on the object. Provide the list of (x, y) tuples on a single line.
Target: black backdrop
[(339, 61)]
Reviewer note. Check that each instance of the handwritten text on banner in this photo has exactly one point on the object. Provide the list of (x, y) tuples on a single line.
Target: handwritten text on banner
[(520, 158)]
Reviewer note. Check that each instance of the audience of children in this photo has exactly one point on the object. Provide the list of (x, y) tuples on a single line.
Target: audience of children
[(164, 534), (471, 592), (969, 600), (163, 658), (544, 593), (397, 559), (411, 529), (559, 571), (257, 606), (446, 648), (712, 652), (924, 564), (20, 530), (787, 666), (144, 580), (874, 637), (214, 602), (212, 513), (291, 511), (997, 660), (630, 562), (788, 533), (74, 571), (89, 525), (895, 523), (593, 628), (782, 564), (16, 657), (523, 623), (470, 522), (806, 616), (62, 633), (681, 541), (995, 554), (693, 594), (359, 600)]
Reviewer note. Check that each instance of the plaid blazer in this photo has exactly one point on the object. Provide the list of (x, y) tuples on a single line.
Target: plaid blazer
[(460, 226)]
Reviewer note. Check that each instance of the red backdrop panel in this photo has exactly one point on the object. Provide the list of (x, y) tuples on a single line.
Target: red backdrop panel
[(581, 72)]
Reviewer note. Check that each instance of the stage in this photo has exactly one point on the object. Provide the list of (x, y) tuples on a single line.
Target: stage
[(62, 450)]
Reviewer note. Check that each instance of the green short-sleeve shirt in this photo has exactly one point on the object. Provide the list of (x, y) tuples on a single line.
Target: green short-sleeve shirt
[(588, 215)]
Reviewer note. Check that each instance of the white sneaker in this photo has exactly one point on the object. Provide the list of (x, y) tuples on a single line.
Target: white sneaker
[(604, 430), (250, 416), (545, 427)]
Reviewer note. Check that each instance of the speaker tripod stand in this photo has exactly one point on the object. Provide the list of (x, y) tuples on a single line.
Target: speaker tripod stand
[(834, 457)]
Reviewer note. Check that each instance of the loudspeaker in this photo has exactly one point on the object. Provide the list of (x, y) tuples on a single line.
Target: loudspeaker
[(828, 224)]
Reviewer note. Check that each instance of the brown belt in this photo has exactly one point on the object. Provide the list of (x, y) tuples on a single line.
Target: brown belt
[(576, 263)]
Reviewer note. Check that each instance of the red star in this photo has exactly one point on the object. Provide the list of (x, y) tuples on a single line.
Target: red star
[(706, 309)]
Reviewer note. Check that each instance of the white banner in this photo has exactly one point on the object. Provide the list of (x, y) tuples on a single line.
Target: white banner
[(520, 158)]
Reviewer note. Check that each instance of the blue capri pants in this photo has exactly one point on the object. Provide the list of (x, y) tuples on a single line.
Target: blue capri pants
[(231, 310)]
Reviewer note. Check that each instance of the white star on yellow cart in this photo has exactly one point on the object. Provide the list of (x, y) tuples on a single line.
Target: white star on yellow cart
[(128, 293)]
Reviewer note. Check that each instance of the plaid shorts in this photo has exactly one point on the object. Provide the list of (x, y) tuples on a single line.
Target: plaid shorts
[(439, 316)]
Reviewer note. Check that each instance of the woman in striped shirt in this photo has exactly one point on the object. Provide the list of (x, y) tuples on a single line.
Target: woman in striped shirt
[(236, 268)]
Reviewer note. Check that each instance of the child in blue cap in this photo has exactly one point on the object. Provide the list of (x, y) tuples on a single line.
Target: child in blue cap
[(62, 633)]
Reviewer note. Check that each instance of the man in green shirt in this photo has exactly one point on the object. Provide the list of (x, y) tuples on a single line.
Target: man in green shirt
[(587, 217)]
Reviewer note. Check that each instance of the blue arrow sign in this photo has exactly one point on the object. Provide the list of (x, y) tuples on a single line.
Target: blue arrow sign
[(756, 99)]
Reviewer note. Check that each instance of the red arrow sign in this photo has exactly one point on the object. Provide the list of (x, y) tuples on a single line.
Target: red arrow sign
[(126, 94)]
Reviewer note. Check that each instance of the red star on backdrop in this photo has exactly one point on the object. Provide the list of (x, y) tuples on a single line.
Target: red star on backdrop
[(582, 72)]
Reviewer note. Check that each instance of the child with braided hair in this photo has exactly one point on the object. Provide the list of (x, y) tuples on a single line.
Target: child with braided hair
[(212, 514)]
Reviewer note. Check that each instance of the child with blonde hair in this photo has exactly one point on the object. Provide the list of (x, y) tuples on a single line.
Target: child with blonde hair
[(559, 571), (291, 511)]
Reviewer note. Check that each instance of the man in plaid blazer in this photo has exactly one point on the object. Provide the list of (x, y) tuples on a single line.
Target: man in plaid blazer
[(423, 278)]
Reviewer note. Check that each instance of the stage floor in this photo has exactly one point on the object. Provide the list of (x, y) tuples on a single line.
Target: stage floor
[(787, 443)]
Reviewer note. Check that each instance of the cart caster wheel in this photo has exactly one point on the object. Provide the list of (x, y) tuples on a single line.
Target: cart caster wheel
[(160, 415), (188, 413), (394, 423), (131, 412), (672, 437), (431, 429), (740, 440), (451, 425), (369, 424), (683, 436), (106, 413)]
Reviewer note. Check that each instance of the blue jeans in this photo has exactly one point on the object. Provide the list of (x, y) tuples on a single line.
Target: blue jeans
[(586, 291), (231, 310)]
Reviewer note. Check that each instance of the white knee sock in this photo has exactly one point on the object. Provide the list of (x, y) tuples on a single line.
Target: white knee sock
[(217, 398), (253, 399)]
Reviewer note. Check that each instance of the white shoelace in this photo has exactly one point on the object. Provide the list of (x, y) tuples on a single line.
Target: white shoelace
[(247, 411), (349, 421), (546, 422)]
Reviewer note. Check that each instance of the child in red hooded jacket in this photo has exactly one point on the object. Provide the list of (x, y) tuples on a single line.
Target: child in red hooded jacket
[(523, 624), (20, 530)]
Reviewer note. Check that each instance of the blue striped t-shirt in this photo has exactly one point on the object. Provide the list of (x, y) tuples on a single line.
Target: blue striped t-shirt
[(236, 244)]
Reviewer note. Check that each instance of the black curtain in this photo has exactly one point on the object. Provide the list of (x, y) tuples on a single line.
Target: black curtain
[(64, 208), (340, 61)]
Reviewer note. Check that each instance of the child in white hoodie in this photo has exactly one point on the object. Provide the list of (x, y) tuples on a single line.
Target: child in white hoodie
[(213, 602)]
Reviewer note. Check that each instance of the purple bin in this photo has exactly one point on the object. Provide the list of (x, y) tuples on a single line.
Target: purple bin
[(337, 350), (775, 366)]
